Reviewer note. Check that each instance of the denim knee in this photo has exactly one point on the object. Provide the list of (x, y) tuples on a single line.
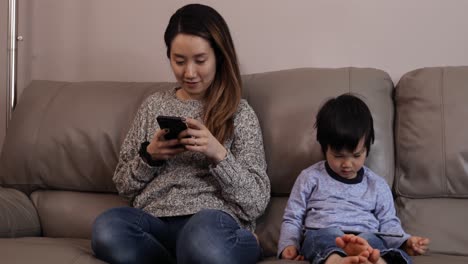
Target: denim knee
[(213, 236), (319, 244), (103, 227), (103, 240)]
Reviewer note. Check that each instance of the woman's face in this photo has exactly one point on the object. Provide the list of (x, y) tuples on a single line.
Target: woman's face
[(194, 65)]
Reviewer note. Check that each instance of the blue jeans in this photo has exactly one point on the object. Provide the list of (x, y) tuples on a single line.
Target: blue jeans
[(130, 235), (319, 244)]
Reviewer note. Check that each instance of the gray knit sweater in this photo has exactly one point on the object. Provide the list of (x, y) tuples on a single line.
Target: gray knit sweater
[(187, 183)]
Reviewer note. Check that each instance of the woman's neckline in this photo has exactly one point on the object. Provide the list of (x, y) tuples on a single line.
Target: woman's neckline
[(182, 100)]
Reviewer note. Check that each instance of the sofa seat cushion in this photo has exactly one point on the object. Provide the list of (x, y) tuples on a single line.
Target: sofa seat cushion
[(439, 259), (269, 225), (41, 250), (71, 214), (443, 220)]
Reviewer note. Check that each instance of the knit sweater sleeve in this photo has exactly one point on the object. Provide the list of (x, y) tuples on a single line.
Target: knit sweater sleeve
[(132, 173), (242, 174)]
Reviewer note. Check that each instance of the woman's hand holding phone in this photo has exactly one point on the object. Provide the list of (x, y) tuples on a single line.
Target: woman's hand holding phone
[(191, 135), (198, 138), (162, 149)]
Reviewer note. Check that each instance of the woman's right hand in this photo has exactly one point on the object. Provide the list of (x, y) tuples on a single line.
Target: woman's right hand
[(290, 252), (162, 149)]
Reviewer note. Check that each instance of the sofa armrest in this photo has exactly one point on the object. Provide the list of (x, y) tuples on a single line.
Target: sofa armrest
[(18, 217)]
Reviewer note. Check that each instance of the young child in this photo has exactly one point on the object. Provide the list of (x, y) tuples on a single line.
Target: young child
[(335, 199)]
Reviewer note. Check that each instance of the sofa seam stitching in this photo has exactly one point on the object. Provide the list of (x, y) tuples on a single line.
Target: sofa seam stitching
[(396, 136), (442, 112)]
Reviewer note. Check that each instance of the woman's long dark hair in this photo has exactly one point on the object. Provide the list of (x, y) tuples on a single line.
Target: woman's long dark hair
[(224, 94)]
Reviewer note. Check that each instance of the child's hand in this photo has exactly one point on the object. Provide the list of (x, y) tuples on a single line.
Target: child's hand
[(415, 245), (290, 252)]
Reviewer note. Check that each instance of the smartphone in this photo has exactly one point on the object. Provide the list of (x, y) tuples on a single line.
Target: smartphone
[(174, 124)]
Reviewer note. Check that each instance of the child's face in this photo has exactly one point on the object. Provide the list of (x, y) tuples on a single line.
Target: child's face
[(346, 163)]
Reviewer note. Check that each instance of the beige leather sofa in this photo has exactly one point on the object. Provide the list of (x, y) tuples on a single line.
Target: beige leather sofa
[(63, 141)]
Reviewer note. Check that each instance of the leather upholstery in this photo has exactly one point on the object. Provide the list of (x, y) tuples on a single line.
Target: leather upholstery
[(432, 156), (63, 142)]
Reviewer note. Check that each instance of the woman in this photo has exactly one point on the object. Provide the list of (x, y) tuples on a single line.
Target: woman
[(195, 198)]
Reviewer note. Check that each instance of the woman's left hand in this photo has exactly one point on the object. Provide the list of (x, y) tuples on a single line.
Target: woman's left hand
[(198, 138)]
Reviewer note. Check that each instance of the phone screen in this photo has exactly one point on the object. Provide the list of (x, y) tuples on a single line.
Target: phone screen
[(175, 125)]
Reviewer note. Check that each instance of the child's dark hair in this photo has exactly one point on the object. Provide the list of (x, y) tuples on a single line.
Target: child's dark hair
[(341, 123)]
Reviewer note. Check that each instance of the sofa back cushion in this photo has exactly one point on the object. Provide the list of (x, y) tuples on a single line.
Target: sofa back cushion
[(431, 133), (286, 103), (431, 177), (67, 136)]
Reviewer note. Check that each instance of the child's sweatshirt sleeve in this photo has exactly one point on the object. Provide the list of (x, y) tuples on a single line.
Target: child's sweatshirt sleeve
[(386, 214), (294, 213)]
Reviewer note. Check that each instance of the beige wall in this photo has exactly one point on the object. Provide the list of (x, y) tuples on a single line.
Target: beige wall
[(123, 39)]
